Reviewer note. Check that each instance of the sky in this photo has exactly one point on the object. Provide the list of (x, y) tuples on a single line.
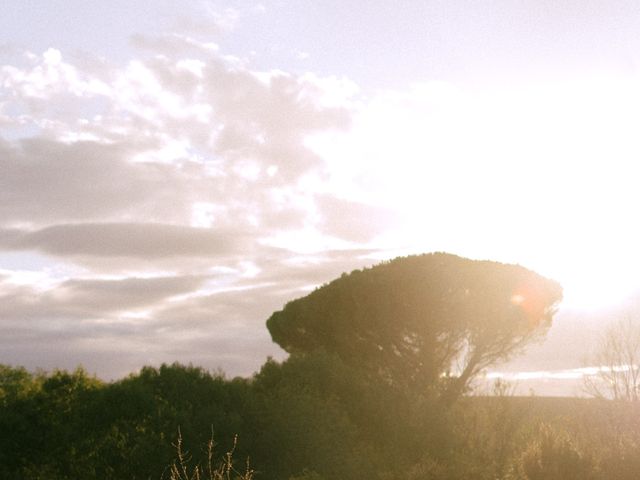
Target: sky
[(172, 172)]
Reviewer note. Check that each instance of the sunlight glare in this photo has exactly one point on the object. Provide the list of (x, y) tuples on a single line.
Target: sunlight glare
[(542, 175), (517, 299)]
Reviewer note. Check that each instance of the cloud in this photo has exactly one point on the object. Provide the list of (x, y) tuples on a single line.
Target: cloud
[(155, 189), (212, 320), (45, 181), (91, 298), (215, 21), (150, 139), (49, 75), (138, 240), (110, 326), (125, 294), (224, 20), (134, 321), (354, 221)]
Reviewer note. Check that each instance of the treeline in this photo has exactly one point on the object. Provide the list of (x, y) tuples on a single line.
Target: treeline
[(308, 414), (307, 418), (373, 389)]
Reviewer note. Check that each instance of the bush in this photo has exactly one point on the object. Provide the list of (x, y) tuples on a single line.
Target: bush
[(554, 456)]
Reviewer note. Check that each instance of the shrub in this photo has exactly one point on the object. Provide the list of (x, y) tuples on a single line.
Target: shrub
[(554, 456)]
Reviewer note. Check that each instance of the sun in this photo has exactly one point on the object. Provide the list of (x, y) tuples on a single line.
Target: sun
[(535, 175)]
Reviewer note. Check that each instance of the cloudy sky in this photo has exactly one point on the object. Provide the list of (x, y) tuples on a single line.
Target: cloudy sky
[(171, 172)]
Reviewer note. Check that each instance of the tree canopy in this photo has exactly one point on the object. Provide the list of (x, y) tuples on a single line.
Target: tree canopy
[(416, 320)]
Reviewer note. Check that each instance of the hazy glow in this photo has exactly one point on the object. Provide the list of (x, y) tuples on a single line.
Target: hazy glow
[(541, 175), (576, 373), (567, 374)]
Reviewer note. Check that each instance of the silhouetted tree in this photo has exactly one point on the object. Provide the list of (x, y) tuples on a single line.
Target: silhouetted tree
[(618, 363), (433, 320)]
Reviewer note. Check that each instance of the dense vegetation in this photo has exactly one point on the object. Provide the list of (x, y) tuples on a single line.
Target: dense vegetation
[(309, 419), (341, 406)]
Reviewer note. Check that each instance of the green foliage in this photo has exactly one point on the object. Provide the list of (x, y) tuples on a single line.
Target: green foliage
[(304, 409), (308, 475), (407, 320), (331, 419), (45, 417), (311, 417), (70, 425), (16, 383)]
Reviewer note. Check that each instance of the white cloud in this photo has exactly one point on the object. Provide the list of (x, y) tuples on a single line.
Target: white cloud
[(50, 74)]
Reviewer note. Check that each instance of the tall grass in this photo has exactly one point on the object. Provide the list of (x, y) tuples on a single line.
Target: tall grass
[(213, 469)]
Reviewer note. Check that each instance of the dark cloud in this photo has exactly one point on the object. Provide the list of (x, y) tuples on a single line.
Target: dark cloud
[(46, 181), (246, 303), (82, 322), (90, 299), (129, 293), (115, 355), (245, 309), (138, 240), (86, 321)]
